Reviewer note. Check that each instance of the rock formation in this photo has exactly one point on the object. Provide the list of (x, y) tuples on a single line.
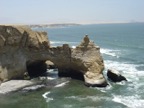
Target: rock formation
[(50, 65), (115, 75), (19, 47), (23, 50)]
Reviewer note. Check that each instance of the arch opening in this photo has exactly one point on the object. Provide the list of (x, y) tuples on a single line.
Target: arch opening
[(36, 68), (42, 68), (71, 73)]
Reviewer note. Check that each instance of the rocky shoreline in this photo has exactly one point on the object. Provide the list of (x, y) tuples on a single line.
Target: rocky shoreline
[(24, 54)]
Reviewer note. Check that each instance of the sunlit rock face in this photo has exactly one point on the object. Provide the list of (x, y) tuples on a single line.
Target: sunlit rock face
[(86, 58), (23, 50), (18, 45)]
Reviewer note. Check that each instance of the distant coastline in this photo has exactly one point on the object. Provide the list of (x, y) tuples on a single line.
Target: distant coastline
[(61, 25), (52, 25)]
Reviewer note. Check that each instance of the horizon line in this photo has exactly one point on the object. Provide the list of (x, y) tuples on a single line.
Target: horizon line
[(124, 22)]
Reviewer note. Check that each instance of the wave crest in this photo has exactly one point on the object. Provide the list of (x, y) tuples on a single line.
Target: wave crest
[(114, 53)]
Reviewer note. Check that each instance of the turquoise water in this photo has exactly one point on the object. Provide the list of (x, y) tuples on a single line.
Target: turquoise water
[(122, 47)]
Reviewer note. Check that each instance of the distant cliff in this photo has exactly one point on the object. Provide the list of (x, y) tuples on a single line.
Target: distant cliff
[(52, 25)]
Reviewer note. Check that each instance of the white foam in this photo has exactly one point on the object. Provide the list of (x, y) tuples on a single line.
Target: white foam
[(73, 46), (109, 87), (129, 101), (67, 106), (52, 74), (49, 99), (78, 98), (72, 97), (128, 69), (114, 53), (62, 84), (33, 87), (121, 83), (92, 98), (62, 42), (97, 98), (51, 78), (50, 70), (45, 95)]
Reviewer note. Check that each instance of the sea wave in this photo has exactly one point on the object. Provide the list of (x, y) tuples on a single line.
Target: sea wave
[(45, 96), (129, 70), (62, 84), (110, 52), (51, 78), (62, 42), (129, 101), (52, 74), (92, 98), (104, 90)]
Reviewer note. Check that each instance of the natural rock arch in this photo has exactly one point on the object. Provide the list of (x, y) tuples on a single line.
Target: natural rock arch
[(24, 48)]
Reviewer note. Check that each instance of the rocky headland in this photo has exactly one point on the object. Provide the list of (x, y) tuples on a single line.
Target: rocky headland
[(25, 51)]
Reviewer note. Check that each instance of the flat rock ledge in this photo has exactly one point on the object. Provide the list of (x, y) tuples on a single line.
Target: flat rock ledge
[(14, 85)]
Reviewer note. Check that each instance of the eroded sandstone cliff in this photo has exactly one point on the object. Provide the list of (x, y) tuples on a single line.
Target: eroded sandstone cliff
[(22, 49), (17, 44)]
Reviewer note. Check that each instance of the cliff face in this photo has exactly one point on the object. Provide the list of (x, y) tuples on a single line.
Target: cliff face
[(17, 43), (22, 49)]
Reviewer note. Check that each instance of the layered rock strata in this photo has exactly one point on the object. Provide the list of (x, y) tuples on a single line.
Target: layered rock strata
[(23, 50)]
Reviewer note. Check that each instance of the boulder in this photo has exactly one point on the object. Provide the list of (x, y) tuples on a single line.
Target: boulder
[(50, 65), (23, 50), (115, 75)]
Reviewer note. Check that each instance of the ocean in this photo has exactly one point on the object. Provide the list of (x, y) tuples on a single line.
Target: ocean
[(122, 48)]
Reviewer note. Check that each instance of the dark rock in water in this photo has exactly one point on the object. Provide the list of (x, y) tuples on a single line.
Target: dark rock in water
[(115, 75)]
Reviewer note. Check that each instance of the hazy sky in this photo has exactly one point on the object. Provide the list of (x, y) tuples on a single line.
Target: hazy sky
[(73, 11)]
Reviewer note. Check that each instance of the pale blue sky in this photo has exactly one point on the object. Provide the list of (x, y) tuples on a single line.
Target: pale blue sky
[(70, 11)]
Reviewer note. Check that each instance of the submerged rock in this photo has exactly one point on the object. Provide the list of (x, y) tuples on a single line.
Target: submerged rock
[(23, 50), (115, 75)]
